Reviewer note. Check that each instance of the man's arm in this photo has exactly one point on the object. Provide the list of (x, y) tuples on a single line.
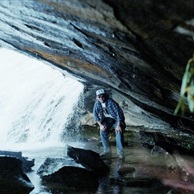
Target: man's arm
[(97, 118), (119, 114)]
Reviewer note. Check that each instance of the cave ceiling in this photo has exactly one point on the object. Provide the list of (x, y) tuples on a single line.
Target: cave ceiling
[(137, 48)]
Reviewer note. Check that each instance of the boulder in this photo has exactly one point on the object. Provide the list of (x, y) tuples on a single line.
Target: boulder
[(64, 173), (81, 170), (52, 165), (27, 164), (12, 178), (74, 177), (89, 159)]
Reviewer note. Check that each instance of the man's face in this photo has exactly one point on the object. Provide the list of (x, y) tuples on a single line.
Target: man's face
[(101, 98)]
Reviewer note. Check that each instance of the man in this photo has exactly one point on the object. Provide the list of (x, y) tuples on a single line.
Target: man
[(108, 113)]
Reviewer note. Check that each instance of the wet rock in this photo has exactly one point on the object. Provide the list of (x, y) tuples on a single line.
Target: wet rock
[(160, 142), (175, 148), (12, 178), (27, 164), (52, 165), (123, 170), (73, 177), (62, 173), (113, 44), (137, 182), (89, 159)]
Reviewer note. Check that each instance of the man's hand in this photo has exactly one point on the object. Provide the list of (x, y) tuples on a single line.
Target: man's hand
[(102, 127), (119, 129)]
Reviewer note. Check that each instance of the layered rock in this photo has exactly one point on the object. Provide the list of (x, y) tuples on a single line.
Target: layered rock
[(138, 50)]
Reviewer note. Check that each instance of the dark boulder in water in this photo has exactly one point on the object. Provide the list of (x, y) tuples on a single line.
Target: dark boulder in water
[(12, 178), (64, 173), (27, 164), (88, 159)]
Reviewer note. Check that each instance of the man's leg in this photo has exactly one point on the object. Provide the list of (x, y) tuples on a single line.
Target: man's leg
[(108, 122), (120, 144), (105, 141)]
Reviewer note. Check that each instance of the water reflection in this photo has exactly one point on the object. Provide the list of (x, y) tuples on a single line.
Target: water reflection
[(117, 189), (185, 178), (105, 185), (145, 171), (141, 172)]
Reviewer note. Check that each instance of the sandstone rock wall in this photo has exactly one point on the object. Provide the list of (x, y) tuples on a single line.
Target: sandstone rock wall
[(138, 50)]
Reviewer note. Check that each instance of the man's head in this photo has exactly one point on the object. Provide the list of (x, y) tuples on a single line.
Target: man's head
[(101, 95), (100, 92)]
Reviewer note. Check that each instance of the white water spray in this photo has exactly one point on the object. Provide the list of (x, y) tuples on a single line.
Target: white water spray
[(35, 101)]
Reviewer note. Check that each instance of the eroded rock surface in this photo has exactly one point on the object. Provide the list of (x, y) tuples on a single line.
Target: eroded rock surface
[(136, 49)]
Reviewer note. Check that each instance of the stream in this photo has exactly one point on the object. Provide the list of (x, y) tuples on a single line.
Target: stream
[(140, 172)]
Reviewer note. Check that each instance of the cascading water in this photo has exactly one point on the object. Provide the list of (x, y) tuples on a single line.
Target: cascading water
[(36, 101)]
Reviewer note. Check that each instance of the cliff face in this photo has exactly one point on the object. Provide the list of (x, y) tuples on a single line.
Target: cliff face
[(136, 49)]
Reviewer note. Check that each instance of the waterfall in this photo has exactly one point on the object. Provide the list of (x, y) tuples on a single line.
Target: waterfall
[(36, 101)]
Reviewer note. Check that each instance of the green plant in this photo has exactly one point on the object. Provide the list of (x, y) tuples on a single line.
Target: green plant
[(187, 89)]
